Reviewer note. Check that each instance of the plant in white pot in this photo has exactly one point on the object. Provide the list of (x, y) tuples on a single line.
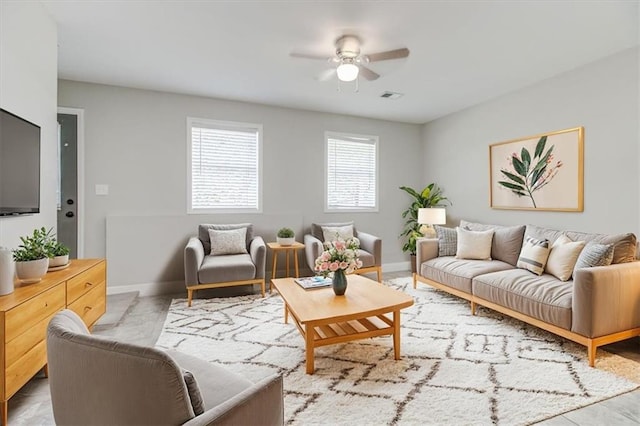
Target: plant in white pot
[(285, 237), (31, 257), (58, 254)]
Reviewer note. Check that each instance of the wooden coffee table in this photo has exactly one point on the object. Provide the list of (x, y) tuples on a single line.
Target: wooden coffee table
[(326, 319)]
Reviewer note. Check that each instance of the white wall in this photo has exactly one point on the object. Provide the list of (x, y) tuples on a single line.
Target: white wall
[(28, 88), (136, 143), (602, 97)]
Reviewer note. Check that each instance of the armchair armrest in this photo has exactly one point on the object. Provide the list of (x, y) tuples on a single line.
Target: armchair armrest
[(426, 248), (258, 253), (261, 404), (372, 244), (193, 257), (312, 249), (606, 299)]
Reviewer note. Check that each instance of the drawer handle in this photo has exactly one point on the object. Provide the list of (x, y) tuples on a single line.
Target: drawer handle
[(88, 284), (88, 308), (46, 304)]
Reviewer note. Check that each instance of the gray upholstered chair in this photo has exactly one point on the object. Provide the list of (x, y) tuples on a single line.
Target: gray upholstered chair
[(98, 381), (243, 266), (370, 252)]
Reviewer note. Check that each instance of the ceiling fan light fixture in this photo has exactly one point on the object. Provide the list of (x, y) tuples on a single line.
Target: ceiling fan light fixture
[(347, 71)]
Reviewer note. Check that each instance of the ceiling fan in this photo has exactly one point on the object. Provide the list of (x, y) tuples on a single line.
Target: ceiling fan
[(350, 62)]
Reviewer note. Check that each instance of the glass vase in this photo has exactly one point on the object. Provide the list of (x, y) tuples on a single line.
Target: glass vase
[(339, 283)]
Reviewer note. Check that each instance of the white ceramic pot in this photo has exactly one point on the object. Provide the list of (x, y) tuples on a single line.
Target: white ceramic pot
[(32, 271), (58, 261), (286, 241)]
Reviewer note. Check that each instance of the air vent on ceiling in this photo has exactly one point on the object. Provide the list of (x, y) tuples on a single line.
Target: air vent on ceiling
[(391, 95)]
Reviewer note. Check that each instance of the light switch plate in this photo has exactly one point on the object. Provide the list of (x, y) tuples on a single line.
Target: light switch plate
[(102, 189)]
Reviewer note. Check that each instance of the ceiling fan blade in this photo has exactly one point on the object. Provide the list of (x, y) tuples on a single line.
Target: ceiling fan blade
[(368, 74), (326, 74), (309, 56), (390, 54)]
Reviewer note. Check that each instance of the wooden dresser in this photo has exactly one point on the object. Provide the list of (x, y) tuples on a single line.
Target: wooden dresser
[(25, 314)]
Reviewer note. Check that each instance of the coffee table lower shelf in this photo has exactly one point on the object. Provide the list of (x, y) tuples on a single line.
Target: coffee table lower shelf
[(323, 333)]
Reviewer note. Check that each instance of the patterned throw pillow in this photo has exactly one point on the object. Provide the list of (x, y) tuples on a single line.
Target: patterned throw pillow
[(333, 233), (563, 256), (534, 255), (595, 254), (447, 241), (474, 244), (228, 241)]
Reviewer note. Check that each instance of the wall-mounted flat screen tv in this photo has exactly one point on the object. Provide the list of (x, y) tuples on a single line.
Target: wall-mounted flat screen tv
[(19, 165)]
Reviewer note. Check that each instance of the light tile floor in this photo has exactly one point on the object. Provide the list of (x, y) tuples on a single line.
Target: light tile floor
[(139, 320)]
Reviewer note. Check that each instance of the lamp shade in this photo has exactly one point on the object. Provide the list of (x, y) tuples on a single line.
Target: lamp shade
[(347, 71), (432, 216)]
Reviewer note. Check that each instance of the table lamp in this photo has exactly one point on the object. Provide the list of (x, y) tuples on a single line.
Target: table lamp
[(429, 217)]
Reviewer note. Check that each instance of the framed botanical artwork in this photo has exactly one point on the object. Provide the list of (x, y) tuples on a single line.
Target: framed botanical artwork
[(541, 172)]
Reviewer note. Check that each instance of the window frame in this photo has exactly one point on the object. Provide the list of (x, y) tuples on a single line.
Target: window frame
[(207, 122), (354, 137)]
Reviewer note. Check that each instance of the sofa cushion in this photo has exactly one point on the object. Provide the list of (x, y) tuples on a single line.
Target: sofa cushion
[(624, 245), (562, 257), (594, 254), (534, 254), (220, 269), (316, 228), (457, 273), (474, 244), (543, 297), (203, 233), (447, 240), (507, 240)]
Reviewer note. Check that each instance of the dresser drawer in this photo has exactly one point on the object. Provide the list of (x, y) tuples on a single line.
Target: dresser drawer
[(26, 341), (20, 372), (86, 281), (28, 314), (92, 305)]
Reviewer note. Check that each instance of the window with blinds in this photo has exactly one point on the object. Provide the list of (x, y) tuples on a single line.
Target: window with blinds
[(352, 175), (224, 166)]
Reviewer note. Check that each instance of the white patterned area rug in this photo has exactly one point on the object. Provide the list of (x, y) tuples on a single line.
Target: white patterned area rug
[(455, 368)]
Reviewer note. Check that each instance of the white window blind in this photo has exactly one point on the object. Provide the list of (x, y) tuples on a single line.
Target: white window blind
[(224, 166), (351, 172)]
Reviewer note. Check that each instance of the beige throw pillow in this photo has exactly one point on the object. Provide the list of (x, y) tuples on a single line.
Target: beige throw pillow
[(228, 241), (534, 255), (333, 233), (563, 257), (474, 244)]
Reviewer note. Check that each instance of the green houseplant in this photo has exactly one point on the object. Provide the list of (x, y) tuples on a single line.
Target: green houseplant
[(430, 196), (58, 254), (32, 257), (285, 236)]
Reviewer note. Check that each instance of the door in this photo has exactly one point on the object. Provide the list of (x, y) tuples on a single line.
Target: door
[(68, 182)]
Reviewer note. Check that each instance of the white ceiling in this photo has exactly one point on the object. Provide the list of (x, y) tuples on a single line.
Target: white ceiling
[(462, 53)]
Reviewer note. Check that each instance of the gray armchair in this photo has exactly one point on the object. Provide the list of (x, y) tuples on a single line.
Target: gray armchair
[(370, 252), (201, 270), (98, 381)]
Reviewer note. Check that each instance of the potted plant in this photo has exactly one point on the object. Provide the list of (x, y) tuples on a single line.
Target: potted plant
[(430, 196), (58, 254), (31, 256), (285, 237)]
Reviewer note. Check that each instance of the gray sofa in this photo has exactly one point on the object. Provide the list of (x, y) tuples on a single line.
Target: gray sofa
[(597, 306)]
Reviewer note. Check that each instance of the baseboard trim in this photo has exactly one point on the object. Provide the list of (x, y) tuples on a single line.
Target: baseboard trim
[(174, 287), (396, 267), (150, 289)]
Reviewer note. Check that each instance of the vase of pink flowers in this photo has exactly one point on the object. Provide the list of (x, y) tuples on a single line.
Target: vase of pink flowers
[(339, 257)]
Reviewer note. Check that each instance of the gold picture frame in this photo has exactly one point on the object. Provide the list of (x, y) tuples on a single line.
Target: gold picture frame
[(542, 172)]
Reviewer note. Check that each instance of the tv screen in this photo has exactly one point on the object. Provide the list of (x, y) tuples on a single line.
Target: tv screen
[(19, 165)]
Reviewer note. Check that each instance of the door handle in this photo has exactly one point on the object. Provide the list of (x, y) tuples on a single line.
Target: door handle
[(69, 214)]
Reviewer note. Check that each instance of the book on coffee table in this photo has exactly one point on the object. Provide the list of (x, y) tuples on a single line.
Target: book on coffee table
[(314, 282)]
